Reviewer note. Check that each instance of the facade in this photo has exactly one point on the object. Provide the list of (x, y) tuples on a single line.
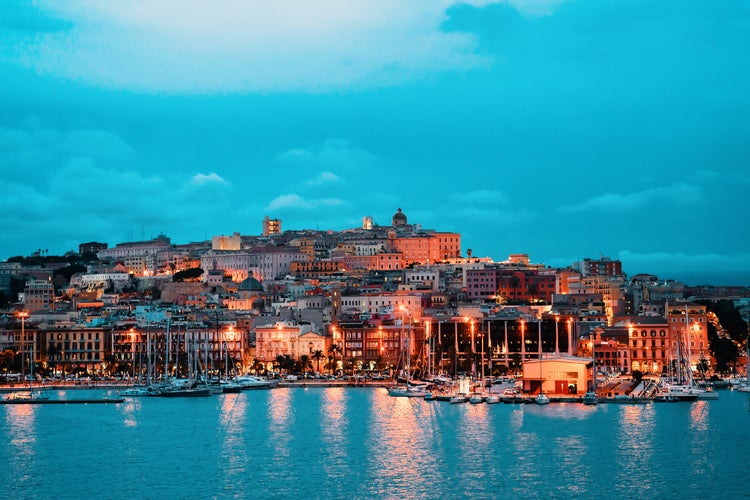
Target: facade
[(39, 296), (271, 226), (280, 339), (239, 265), (510, 285), (427, 248), (233, 242), (560, 376)]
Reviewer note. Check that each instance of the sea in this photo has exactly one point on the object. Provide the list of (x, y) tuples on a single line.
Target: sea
[(361, 443)]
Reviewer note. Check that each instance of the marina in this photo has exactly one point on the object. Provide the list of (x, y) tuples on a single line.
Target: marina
[(343, 442)]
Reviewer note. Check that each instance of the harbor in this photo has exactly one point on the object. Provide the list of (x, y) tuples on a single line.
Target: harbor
[(339, 442)]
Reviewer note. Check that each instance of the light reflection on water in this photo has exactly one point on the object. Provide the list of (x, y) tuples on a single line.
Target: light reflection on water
[(362, 443)]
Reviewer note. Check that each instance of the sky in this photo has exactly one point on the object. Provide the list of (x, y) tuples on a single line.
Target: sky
[(563, 129)]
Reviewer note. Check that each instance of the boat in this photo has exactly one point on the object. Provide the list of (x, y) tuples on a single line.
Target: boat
[(476, 399), (408, 391), (542, 399), (248, 382), (184, 392), (590, 398), (623, 399), (675, 393), (229, 387), (493, 399), (137, 392), (30, 395), (459, 398)]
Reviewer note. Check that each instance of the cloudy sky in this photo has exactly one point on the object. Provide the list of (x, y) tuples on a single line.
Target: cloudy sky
[(561, 129)]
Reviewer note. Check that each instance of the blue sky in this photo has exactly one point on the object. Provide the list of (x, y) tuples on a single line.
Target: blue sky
[(561, 129)]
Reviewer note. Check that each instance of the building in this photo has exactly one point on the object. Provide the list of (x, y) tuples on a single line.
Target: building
[(558, 375), (91, 247), (38, 296), (282, 339), (271, 226), (233, 242)]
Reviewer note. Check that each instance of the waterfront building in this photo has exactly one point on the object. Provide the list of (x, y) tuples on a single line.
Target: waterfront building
[(650, 344), (558, 375), (689, 333), (282, 338)]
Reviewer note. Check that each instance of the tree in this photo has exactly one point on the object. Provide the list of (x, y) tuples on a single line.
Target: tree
[(317, 355), (192, 274), (304, 363), (332, 350)]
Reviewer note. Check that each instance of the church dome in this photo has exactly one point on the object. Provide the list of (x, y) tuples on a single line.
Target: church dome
[(399, 219), (251, 285)]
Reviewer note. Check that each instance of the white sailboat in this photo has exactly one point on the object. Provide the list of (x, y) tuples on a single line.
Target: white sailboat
[(590, 398), (542, 398)]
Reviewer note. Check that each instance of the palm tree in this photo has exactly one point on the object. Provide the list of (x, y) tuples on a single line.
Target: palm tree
[(317, 356), (332, 350), (304, 363)]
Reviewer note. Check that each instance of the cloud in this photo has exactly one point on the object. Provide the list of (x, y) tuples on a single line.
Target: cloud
[(212, 178), (680, 193), (295, 201), (323, 178)]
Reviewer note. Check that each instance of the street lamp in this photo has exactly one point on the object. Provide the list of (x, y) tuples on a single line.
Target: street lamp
[(23, 315), (405, 342)]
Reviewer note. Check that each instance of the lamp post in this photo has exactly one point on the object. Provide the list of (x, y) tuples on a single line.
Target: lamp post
[(557, 335), (405, 342), (23, 315), (473, 351)]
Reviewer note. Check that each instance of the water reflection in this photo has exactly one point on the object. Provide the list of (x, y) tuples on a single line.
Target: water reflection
[(129, 409), (280, 414), (20, 421), (634, 448), (402, 447), (233, 454)]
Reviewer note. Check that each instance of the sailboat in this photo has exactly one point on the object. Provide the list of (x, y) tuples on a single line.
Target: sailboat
[(682, 390), (542, 398), (408, 389), (30, 395), (590, 398)]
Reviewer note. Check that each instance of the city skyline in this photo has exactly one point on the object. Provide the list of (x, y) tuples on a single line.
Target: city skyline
[(559, 129)]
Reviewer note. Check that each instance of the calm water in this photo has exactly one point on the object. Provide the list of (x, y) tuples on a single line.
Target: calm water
[(361, 443)]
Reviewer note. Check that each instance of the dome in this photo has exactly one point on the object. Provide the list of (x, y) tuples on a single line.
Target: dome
[(399, 219), (251, 285)]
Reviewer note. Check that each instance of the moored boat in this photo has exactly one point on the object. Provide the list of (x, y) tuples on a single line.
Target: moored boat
[(590, 398), (542, 399), (407, 391)]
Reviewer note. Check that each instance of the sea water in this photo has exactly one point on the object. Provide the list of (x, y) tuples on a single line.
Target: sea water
[(361, 443)]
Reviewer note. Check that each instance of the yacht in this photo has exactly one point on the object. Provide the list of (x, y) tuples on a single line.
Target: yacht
[(247, 382), (542, 399)]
